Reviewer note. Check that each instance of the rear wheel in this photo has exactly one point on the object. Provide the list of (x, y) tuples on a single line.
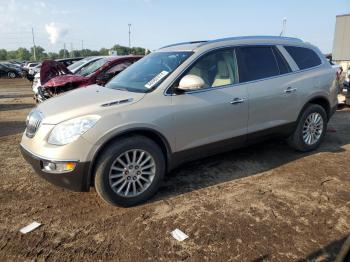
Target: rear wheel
[(310, 129), (129, 171)]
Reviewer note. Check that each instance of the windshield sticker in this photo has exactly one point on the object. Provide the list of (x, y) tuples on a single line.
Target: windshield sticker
[(156, 79)]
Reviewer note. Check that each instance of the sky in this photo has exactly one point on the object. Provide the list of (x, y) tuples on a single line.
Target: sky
[(155, 23)]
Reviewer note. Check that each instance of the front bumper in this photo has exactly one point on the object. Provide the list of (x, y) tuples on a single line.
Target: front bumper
[(76, 180)]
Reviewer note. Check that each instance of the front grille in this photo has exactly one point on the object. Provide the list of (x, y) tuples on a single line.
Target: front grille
[(33, 122)]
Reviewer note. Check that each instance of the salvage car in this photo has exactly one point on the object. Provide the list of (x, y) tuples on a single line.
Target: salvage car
[(9, 71), (56, 81), (34, 68), (180, 103), (74, 68)]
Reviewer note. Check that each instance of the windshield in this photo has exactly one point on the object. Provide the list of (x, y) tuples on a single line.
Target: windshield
[(149, 72), (91, 68)]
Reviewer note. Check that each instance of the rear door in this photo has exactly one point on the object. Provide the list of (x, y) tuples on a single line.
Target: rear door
[(272, 95)]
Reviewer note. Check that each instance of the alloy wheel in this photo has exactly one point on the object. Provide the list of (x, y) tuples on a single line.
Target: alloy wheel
[(313, 128), (132, 172)]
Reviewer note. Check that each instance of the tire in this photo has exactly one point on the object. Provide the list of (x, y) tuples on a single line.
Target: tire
[(11, 75), (105, 177), (300, 140)]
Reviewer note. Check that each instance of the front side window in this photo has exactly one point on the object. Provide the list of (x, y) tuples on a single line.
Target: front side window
[(303, 57), (93, 67), (118, 68), (256, 62), (78, 64), (149, 72), (217, 68)]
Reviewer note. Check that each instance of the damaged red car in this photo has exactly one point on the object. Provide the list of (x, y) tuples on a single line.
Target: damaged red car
[(56, 78)]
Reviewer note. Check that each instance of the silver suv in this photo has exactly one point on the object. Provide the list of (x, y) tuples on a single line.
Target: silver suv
[(182, 102)]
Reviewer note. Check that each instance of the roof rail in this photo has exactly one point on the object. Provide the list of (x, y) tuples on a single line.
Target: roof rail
[(256, 37), (184, 43)]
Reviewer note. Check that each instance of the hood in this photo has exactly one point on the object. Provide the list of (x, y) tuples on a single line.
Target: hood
[(62, 80), (50, 69), (93, 99)]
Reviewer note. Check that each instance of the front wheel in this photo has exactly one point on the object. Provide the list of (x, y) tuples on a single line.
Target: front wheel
[(12, 75), (129, 171), (310, 130)]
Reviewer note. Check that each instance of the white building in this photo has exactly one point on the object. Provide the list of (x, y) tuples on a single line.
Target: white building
[(341, 44)]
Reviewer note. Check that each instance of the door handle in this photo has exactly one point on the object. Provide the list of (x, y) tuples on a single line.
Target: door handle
[(290, 90), (237, 100)]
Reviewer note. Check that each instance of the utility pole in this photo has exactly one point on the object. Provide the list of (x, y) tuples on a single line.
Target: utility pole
[(64, 50), (82, 47), (34, 50), (129, 36), (283, 32)]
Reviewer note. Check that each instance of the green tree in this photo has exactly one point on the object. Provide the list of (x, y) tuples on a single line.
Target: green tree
[(11, 55), (3, 54), (63, 53), (138, 51), (121, 50), (52, 55), (76, 53), (40, 53), (23, 54), (104, 51)]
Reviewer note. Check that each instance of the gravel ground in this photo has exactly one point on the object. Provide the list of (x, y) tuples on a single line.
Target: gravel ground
[(261, 203)]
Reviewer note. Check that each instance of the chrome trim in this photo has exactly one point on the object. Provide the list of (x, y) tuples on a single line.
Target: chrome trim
[(117, 102), (290, 90), (237, 100)]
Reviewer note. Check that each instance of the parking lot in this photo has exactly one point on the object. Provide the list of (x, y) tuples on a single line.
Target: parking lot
[(261, 203)]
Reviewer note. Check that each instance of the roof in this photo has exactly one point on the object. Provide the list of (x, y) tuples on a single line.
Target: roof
[(343, 15), (191, 46), (117, 57)]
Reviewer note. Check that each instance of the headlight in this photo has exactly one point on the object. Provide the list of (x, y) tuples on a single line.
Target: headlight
[(68, 131)]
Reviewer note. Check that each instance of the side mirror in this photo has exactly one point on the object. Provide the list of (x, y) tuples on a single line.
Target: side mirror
[(191, 82), (102, 79)]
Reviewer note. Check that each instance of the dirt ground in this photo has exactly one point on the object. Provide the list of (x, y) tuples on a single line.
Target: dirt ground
[(261, 203)]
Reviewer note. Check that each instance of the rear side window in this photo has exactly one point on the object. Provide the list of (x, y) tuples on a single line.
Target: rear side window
[(281, 61), (256, 62), (303, 57)]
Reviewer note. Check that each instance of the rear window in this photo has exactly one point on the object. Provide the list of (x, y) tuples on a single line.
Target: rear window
[(303, 57), (256, 62)]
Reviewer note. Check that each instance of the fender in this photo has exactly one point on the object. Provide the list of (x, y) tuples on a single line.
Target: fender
[(114, 134)]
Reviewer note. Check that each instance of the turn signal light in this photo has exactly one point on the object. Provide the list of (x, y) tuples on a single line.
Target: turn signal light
[(58, 167)]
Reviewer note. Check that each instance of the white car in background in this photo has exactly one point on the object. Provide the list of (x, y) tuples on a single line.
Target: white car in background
[(74, 68)]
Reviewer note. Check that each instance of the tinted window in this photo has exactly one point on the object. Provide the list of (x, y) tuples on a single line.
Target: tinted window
[(282, 63), (256, 62), (303, 57), (119, 67), (216, 69)]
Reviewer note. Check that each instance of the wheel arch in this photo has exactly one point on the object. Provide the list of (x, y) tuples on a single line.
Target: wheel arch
[(319, 100), (152, 134)]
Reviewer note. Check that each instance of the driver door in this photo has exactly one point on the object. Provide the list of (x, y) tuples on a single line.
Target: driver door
[(216, 115)]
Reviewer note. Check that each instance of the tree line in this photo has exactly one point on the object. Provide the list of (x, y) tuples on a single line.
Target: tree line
[(23, 54)]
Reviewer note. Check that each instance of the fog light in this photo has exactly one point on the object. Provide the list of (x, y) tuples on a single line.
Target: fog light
[(58, 167)]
